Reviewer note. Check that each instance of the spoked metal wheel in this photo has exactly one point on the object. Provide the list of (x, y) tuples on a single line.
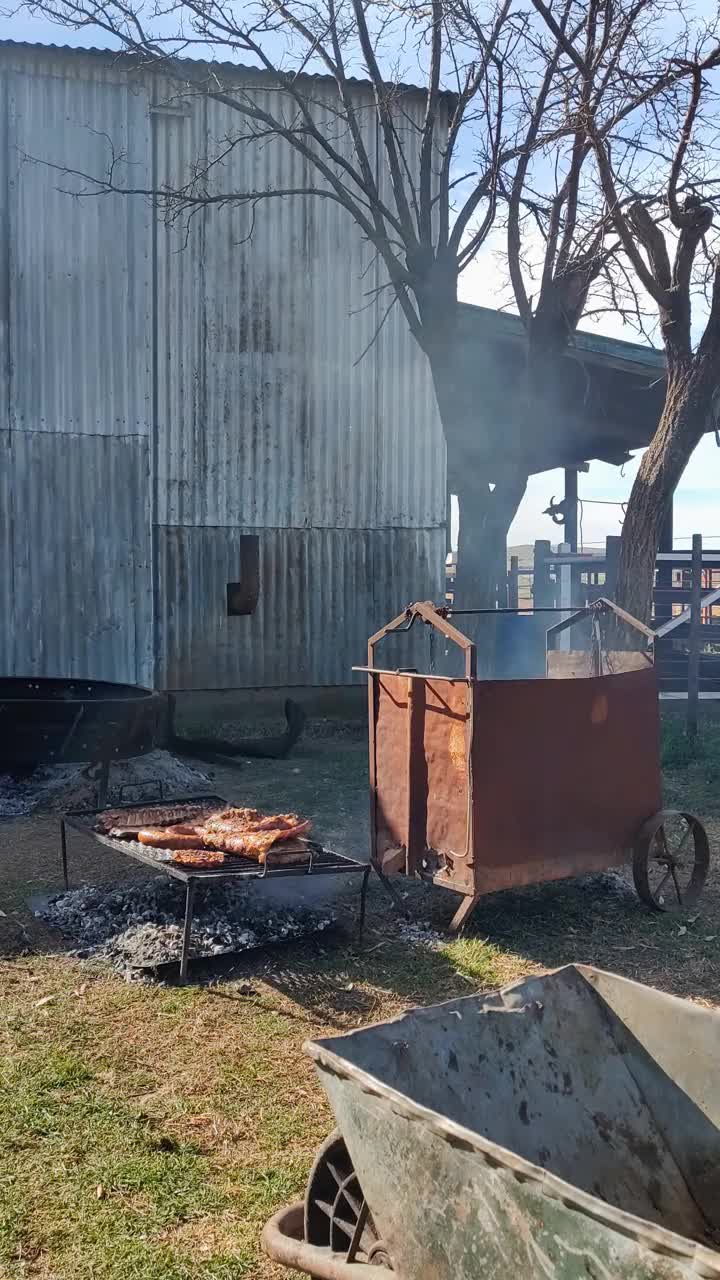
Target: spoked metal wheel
[(671, 860), (336, 1216)]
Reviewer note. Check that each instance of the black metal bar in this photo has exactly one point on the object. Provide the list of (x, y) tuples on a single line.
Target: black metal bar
[(363, 902), (459, 613), (189, 903), (103, 782), (63, 853), (150, 782), (390, 888), (513, 586), (693, 678)]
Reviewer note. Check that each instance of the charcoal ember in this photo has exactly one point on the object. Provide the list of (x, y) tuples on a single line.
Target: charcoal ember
[(140, 926), (54, 788)]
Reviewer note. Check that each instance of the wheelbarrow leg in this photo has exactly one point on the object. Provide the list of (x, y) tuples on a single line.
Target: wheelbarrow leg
[(463, 913)]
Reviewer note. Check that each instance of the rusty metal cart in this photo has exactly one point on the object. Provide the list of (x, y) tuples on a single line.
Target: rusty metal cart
[(550, 1131), (478, 785)]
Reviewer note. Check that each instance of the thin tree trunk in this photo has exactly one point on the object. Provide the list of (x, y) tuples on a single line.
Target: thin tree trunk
[(688, 404), (485, 518), (488, 495)]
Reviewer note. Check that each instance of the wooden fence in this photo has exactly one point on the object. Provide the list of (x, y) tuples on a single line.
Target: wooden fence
[(686, 605)]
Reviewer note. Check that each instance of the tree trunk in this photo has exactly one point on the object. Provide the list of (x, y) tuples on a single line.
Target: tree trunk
[(488, 494), (485, 518), (685, 416)]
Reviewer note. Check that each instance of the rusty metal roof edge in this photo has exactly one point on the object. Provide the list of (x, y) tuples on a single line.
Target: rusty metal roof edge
[(657, 1239), (237, 68)]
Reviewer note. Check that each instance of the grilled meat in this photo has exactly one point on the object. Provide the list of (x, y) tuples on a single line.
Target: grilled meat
[(157, 815)]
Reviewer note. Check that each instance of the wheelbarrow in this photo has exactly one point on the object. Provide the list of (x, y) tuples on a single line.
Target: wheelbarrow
[(564, 1127)]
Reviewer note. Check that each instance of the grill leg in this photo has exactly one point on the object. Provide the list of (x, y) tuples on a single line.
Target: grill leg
[(189, 903), (63, 852), (463, 913), (390, 888), (363, 902), (102, 787)]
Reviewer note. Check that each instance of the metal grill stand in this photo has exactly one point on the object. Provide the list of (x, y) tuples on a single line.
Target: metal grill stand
[(321, 862)]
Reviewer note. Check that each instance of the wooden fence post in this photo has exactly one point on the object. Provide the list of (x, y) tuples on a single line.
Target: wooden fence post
[(542, 587), (693, 692), (513, 592)]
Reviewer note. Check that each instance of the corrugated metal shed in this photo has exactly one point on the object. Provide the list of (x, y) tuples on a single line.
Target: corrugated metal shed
[(76, 518), (178, 387)]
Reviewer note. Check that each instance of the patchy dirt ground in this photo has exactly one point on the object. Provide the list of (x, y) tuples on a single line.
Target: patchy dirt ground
[(146, 1133)]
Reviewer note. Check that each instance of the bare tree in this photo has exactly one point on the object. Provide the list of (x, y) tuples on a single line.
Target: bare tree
[(506, 89), (676, 261), (426, 203), (616, 217)]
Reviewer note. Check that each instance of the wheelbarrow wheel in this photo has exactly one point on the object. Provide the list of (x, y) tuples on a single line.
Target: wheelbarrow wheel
[(671, 860), (334, 1203)]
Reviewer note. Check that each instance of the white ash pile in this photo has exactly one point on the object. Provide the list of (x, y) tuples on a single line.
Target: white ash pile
[(139, 926), (54, 788)]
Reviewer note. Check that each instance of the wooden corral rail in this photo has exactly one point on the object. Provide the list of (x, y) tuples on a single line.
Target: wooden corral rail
[(687, 652)]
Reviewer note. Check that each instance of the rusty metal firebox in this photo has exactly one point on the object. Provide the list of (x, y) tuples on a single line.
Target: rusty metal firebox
[(480, 785)]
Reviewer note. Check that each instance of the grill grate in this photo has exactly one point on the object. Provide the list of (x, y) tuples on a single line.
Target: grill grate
[(320, 861)]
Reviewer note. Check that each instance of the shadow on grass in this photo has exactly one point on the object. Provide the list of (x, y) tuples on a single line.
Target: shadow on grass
[(594, 920)]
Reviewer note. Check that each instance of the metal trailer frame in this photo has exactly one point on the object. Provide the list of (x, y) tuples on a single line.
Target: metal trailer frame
[(321, 862), (445, 809)]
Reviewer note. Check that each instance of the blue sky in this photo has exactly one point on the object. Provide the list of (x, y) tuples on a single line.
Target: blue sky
[(696, 503)]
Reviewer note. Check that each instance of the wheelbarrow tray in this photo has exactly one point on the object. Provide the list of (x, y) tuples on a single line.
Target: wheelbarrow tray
[(564, 1127)]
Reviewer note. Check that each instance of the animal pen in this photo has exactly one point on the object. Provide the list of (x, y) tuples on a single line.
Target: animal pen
[(479, 785)]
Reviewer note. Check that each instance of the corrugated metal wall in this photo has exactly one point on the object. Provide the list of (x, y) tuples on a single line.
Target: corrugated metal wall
[(242, 353), (76, 519)]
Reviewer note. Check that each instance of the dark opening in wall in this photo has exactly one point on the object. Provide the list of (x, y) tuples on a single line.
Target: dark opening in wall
[(242, 596)]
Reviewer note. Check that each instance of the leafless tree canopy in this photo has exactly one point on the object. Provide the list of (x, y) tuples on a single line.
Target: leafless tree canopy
[(631, 68), (581, 129), (509, 93)]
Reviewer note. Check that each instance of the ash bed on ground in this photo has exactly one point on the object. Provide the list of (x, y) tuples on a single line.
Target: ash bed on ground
[(319, 861)]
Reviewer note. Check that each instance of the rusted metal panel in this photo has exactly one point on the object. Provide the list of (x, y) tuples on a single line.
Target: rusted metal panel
[(552, 1130), (565, 773), (317, 590), (512, 781), (438, 768)]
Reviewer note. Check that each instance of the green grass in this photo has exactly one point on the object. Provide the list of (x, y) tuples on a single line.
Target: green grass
[(147, 1133), (86, 1177), (194, 1109), (691, 766)]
